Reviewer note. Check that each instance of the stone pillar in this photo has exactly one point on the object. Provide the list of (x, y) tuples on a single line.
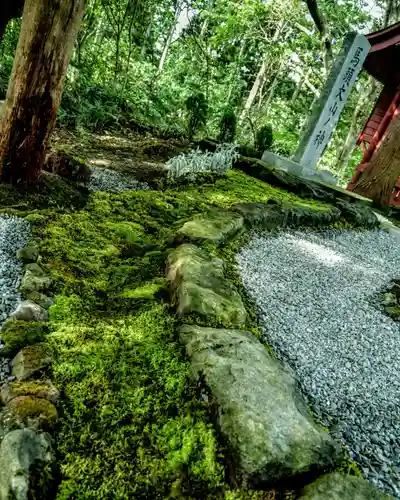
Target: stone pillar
[(326, 111)]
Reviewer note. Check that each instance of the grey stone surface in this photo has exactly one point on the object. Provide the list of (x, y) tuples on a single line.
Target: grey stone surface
[(30, 311), (337, 486), (30, 360), (217, 226), (20, 451), (35, 279), (317, 295), (282, 163), (264, 420), (199, 286)]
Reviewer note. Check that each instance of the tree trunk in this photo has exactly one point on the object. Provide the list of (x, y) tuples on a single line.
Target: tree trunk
[(48, 33), (254, 90), (322, 27), (169, 38), (378, 180)]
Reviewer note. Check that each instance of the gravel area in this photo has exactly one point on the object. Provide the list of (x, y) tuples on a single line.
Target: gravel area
[(104, 179), (317, 297), (14, 234)]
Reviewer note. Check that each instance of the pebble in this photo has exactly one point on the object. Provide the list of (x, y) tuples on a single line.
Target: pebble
[(104, 179), (14, 234), (317, 298)]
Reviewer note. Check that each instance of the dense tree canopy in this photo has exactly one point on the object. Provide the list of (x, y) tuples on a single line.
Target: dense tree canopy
[(266, 62)]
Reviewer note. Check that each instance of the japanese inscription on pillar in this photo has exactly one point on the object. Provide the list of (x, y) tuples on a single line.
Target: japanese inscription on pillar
[(326, 112)]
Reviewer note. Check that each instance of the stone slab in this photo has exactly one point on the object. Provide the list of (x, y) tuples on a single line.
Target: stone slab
[(270, 433), (199, 286), (337, 486)]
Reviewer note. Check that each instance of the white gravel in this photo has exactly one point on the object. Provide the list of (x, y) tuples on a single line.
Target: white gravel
[(316, 295), (14, 234), (104, 179)]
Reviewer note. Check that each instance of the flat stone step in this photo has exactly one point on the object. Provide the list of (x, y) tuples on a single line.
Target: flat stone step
[(199, 286), (337, 486), (216, 227), (264, 420)]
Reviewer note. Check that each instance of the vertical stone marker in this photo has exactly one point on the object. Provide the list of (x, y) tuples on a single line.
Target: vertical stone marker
[(326, 111)]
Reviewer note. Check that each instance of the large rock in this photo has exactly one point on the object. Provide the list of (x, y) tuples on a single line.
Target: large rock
[(216, 226), (199, 286), (337, 486), (41, 299), (18, 334), (263, 215), (30, 311), (27, 411), (35, 279), (358, 214), (28, 254), (39, 388), (269, 430), (24, 454), (30, 361)]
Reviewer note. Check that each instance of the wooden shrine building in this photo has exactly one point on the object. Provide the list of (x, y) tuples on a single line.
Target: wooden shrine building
[(383, 63)]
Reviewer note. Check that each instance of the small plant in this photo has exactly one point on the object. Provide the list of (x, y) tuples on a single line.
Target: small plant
[(196, 105), (264, 138), (195, 163), (227, 126)]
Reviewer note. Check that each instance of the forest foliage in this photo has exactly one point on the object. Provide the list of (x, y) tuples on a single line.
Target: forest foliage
[(219, 68)]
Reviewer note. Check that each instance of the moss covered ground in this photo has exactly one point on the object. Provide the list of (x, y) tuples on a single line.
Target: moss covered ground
[(132, 425)]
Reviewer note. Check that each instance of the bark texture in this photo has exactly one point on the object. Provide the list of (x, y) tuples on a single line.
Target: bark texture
[(49, 29), (378, 179)]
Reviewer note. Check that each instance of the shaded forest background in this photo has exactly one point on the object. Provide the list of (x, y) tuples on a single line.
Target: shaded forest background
[(183, 65)]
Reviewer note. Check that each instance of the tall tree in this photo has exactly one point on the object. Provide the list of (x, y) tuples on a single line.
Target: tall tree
[(378, 179), (48, 32)]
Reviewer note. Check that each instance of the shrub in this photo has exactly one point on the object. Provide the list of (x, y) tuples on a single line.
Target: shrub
[(227, 126), (190, 166), (197, 108), (264, 138)]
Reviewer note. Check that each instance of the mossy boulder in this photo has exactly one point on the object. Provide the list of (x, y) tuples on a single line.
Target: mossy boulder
[(263, 215), (216, 227), (337, 486), (199, 286), (30, 311), (302, 214), (28, 254), (28, 411), (18, 334), (270, 433), (35, 279), (358, 214), (30, 361), (41, 299), (38, 388), (25, 457)]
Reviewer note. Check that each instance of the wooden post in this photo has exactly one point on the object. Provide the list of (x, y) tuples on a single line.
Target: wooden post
[(48, 32)]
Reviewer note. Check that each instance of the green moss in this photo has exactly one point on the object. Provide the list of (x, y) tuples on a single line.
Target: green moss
[(144, 292), (132, 425), (18, 334)]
